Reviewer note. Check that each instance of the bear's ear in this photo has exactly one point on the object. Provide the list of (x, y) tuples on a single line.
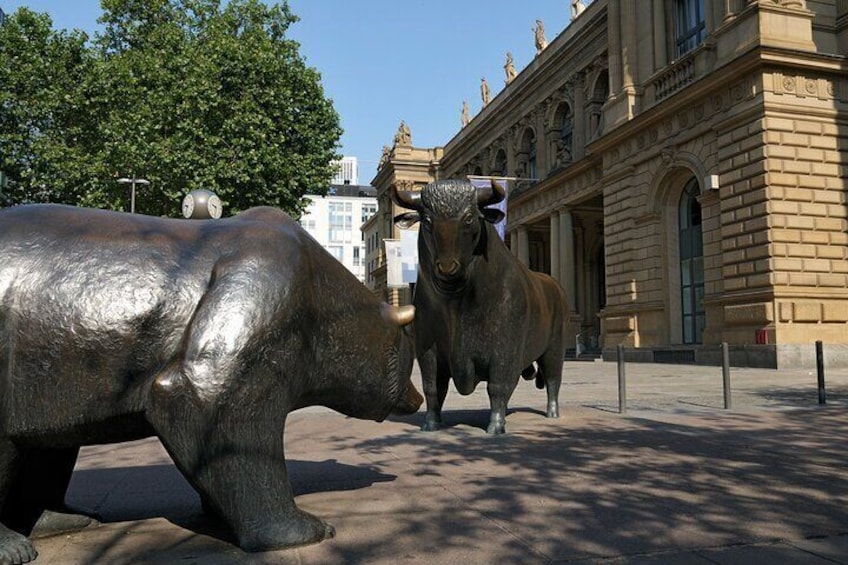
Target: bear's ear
[(493, 215), (407, 219)]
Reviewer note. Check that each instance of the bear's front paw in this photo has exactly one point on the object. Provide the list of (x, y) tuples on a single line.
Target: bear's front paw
[(298, 528), (15, 548)]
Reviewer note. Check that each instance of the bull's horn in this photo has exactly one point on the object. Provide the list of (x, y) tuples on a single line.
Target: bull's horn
[(406, 198), (488, 195), (398, 315)]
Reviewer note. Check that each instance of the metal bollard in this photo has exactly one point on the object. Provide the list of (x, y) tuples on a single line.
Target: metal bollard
[(622, 388), (725, 373), (820, 372)]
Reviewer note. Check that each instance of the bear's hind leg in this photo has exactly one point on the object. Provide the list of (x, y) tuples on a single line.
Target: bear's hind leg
[(39, 493), (14, 547)]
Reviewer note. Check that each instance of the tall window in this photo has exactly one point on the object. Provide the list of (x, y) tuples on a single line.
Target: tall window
[(689, 28), (691, 264), (341, 222)]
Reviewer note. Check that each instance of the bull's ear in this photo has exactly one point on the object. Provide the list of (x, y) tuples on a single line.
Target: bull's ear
[(407, 219), (493, 215)]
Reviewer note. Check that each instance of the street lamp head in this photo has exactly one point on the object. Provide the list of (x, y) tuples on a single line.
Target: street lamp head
[(126, 180), (132, 182)]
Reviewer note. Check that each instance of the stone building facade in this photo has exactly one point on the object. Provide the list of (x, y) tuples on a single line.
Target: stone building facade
[(685, 175)]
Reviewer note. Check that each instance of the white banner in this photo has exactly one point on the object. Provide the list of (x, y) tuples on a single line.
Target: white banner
[(409, 255), (394, 264), (500, 227)]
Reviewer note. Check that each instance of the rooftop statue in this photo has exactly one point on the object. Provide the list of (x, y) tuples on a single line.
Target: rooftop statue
[(539, 33), (403, 135), (509, 68), (465, 116), (384, 157), (485, 94), (577, 8), (206, 333)]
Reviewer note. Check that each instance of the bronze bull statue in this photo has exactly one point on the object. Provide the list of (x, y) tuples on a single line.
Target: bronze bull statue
[(482, 315), (115, 327)]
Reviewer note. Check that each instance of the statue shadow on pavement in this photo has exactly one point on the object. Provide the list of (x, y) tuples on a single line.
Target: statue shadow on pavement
[(475, 418), (119, 494)]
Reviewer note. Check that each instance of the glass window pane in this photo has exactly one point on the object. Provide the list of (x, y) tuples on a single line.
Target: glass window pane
[(688, 336), (686, 272), (687, 300), (698, 270)]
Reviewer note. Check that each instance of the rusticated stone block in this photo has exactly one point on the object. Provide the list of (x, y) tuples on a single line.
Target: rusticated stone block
[(749, 314)]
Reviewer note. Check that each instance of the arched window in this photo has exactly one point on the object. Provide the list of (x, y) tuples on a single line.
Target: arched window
[(691, 264), (499, 167), (526, 158), (600, 93), (563, 131)]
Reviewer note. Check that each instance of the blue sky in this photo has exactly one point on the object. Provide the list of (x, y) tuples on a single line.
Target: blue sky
[(383, 61)]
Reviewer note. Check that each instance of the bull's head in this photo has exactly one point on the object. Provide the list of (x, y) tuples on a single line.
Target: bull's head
[(452, 215)]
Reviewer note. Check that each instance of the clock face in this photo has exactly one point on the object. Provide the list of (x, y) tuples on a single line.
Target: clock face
[(214, 206), (188, 206)]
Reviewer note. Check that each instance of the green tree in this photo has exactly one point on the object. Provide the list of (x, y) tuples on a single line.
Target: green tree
[(43, 130), (190, 94)]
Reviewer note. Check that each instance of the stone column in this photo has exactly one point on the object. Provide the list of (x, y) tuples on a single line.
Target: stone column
[(614, 38), (580, 300), (629, 49), (555, 250), (661, 58), (567, 264), (523, 251)]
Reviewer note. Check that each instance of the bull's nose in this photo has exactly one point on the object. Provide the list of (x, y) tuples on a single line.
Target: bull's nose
[(448, 268)]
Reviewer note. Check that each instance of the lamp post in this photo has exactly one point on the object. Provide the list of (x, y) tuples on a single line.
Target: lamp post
[(133, 181)]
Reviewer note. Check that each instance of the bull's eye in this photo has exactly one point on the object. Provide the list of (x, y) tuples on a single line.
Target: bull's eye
[(469, 219), (427, 222)]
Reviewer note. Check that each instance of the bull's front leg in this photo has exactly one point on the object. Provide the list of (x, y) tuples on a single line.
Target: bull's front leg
[(435, 386), (500, 388)]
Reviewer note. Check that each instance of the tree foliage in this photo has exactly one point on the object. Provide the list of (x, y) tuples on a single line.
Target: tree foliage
[(185, 93)]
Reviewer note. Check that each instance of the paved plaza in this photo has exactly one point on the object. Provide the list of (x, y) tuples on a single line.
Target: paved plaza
[(676, 480)]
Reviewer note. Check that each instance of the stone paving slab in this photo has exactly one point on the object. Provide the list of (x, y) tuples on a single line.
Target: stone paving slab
[(669, 482)]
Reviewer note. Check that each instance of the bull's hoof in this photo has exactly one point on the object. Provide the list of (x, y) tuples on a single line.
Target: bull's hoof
[(553, 411), (301, 528), (15, 548), (53, 523), (496, 429), (430, 426)]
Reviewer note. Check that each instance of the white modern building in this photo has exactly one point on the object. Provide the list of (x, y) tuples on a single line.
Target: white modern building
[(334, 221), (348, 171)]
